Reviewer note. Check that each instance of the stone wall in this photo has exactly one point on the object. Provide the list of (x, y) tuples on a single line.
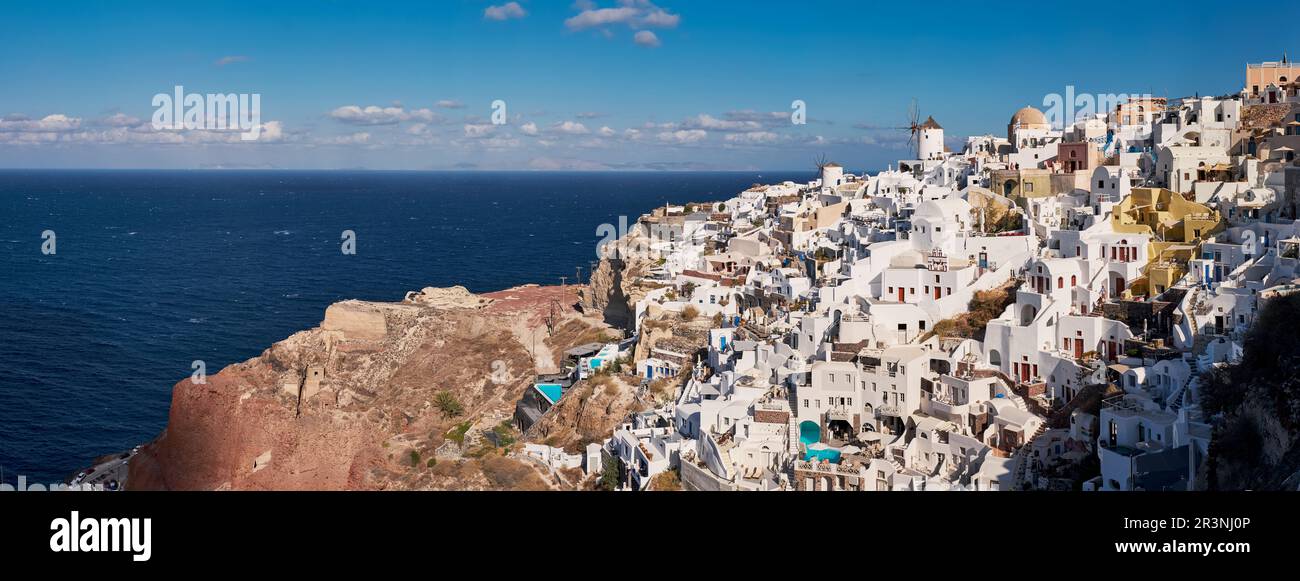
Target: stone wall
[(696, 478)]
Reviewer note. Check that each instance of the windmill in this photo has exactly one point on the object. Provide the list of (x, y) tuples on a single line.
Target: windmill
[(821, 162), (913, 128)]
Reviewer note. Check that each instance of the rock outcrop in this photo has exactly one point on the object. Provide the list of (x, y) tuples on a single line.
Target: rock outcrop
[(367, 400)]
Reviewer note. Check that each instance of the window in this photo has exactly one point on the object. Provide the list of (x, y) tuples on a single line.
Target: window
[(1074, 280)]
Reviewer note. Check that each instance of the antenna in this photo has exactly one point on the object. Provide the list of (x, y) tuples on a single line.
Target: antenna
[(577, 277), (563, 280)]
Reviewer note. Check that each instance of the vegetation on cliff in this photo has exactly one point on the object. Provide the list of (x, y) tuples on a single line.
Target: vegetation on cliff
[(984, 306)]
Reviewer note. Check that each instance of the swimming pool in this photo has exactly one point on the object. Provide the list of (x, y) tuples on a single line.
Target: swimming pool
[(818, 454), (809, 433), (551, 391)]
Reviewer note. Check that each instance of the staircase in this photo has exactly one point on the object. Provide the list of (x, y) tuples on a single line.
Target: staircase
[(1018, 401), (898, 466), (1022, 456), (1175, 401)]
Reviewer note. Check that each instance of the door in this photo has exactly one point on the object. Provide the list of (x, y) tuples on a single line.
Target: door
[(1024, 372), (937, 293), (900, 294), (1078, 348)]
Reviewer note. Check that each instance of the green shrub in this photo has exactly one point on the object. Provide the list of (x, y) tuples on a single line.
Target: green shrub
[(457, 434), (448, 405)]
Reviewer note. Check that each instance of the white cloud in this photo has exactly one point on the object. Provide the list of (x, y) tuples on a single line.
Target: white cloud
[(505, 142), (450, 104), (505, 11), (372, 115), (753, 138), (658, 18), (646, 38), (706, 121), (683, 136), (124, 129), (271, 132), (606, 131), (480, 130), (56, 123), (596, 17), (359, 138), (121, 120), (571, 128), (636, 14), (529, 128)]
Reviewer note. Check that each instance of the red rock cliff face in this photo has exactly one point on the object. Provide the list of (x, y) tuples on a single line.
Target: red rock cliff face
[(353, 403)]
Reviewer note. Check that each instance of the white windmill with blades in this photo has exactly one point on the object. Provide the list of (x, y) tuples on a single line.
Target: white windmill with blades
[(831, 173), (925, 138)]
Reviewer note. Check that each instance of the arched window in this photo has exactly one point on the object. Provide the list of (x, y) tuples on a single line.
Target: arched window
[(995, 358), (1060, 282), (1074, 280)]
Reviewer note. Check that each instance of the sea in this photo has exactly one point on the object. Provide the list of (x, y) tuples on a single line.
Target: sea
[(113, 284)]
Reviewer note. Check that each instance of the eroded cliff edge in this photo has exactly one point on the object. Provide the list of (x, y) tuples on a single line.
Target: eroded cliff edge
[(361, 402)]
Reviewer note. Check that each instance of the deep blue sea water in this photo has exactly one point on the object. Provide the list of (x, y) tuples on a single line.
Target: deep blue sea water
[(156, 269)]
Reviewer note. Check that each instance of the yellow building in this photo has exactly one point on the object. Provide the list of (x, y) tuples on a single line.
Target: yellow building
[(1177, 227), (1019, 184)]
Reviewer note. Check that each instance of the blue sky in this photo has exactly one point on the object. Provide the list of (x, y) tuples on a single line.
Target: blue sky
[(612, 84)]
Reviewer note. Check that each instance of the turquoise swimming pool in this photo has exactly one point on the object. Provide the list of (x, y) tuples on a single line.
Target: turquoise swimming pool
[(809, 433), (551, 391), (817, 455)]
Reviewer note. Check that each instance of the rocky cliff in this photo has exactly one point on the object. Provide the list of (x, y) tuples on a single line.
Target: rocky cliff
[(1254, 407), (380, 396)]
